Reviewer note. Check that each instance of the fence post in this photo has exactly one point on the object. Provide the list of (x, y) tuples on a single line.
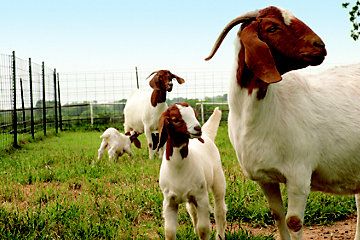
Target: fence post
[(22, 104), (202, 112), (55, 104), (31, 102), (60, 116), (137, 78), (91, 114), (14, 113), (43, 100)]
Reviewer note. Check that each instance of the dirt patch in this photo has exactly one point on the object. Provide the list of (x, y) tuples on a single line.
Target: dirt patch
[(339, 230)]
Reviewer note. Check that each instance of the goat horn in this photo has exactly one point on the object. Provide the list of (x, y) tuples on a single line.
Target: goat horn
[(243, 18), (152, 74)]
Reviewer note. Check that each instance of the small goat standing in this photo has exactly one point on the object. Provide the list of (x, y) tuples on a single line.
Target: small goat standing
[(116, 144), (303, 131), (143, 109), (190, 169)]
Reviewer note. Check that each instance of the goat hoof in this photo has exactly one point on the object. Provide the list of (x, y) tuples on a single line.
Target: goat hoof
[(294, 223)]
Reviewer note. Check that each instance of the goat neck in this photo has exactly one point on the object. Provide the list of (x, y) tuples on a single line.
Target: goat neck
[(179, 141), (157, 97), (246, 79)]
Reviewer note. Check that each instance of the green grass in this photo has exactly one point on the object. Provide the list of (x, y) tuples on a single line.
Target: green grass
[(50, 189)]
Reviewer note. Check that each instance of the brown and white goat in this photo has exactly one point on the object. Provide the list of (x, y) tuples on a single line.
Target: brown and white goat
[(143, 109), (190, 169), (303, 131)]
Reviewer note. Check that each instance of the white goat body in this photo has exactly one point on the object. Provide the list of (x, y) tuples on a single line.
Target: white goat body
[(139, 114), (307, 127), (305, 133), (115, 142), (190, 179)]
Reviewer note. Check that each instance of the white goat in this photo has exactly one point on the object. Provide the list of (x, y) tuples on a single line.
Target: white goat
[(143, 109), (303, 131), (116, 144), (190, 169)]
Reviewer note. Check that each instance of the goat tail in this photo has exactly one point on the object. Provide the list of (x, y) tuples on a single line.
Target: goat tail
[(211, 126)]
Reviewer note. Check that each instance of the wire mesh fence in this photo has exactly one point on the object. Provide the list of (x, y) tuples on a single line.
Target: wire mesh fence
[(27, 101), (6, 100), (35, 100), (100, 97)]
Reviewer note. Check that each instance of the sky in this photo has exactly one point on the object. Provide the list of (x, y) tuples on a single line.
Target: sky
[(79, 35)]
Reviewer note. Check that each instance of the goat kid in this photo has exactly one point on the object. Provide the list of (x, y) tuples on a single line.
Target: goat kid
[(116, 144), (303, 131), (143, 109), (190, 169)]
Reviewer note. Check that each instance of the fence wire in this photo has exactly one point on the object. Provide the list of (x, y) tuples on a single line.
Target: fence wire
[(37, 94), (87, 97), (22, 100), (110, 87), (5, 101), (99, 97)]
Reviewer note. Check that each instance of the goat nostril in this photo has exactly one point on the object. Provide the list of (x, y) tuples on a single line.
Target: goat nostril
[(197, 128), (319, 44)]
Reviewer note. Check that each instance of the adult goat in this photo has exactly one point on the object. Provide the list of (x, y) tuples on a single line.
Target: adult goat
[(303, 131), (143, 109)]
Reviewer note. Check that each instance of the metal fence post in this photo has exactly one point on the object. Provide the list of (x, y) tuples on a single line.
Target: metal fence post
[(14, 115), (55, 104), (137, 78), (60, 116), (22, 104), (43, 100), (91, 114), (31, 102)]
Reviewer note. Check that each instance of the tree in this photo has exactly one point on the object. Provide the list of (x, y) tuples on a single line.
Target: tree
[(354, 16)]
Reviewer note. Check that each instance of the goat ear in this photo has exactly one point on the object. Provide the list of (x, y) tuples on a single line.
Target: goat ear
[(135, 140), (179, 79), (163, 122), (154, 83), (258, 56), (137, 143)]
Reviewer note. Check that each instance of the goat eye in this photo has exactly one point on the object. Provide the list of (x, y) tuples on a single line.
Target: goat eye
[(272, 29)]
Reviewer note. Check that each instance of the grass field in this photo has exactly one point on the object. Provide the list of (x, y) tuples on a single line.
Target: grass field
[(51, 190)]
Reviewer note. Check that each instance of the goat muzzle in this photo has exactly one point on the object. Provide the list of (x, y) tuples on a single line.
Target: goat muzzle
[(197, 132), (169, 87)]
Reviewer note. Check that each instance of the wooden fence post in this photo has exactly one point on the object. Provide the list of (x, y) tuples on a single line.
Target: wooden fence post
[(91, 114)]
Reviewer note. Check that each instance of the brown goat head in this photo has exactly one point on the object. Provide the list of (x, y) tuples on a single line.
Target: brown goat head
[(176, 126), (162, 83), (163, 80), (274, 42)]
